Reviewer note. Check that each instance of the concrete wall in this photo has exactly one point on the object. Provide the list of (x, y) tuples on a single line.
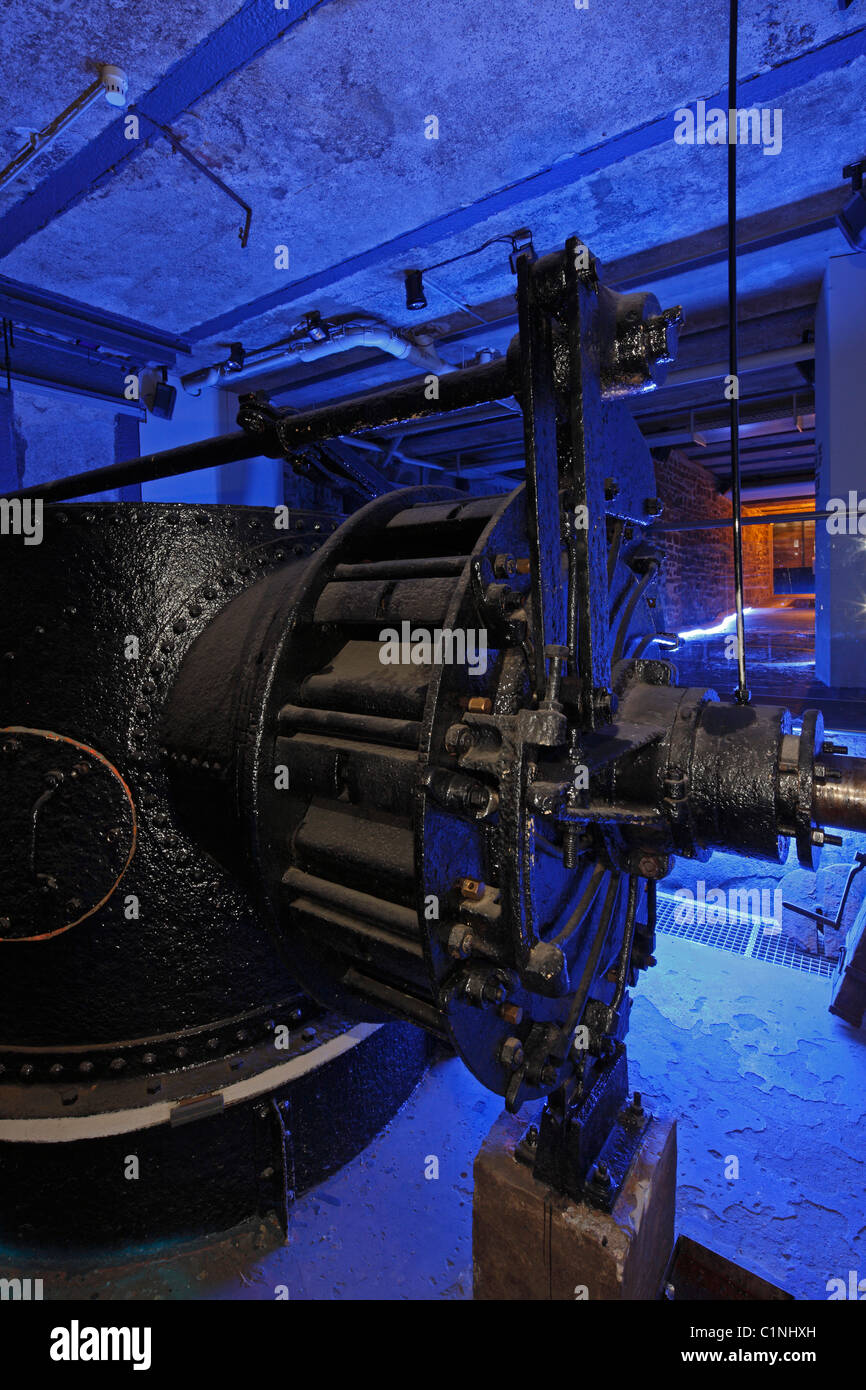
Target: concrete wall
[(51, 436), (255, 482)]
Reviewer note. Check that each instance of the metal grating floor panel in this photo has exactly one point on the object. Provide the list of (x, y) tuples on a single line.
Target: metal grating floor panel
[(757, 938)]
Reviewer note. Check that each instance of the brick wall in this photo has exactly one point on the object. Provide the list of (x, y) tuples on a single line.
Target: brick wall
[(698, 573)]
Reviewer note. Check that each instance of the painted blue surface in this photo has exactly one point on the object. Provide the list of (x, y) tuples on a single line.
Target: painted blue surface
[(27, 304), (256, 25), (761, 89), (9, 448), (840, 416)]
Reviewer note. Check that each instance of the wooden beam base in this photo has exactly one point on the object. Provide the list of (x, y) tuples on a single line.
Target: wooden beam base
[(530, 1243)]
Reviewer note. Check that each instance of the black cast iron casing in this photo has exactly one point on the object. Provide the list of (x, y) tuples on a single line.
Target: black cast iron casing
[(410, 827)]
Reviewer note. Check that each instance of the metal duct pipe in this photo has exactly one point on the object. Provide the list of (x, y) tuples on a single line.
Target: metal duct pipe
[(757, 362), (373, 336), (111, 82)]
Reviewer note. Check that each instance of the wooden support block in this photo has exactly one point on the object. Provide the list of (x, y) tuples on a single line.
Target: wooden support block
[(531, 1243)]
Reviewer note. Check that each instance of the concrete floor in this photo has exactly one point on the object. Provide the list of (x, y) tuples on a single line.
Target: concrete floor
[(745, 1055)]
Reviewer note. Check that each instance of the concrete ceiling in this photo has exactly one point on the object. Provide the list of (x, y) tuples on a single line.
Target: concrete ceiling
[(550, 117)]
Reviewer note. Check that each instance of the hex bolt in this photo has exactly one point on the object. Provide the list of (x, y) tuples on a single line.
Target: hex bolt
[(557, 656), (493, 991), (483, 801), (822, 773), (460, 942), (471, 888), (478, 704), (653, 506), (458, 739), (511, 1053), (511, 1013), (503, 566)]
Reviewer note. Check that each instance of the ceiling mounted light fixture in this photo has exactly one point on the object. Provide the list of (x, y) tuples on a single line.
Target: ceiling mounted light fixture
[(851, 221), (521, 245), (415, 297)]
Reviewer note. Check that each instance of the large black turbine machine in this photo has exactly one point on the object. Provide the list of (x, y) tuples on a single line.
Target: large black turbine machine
[(224, 813)]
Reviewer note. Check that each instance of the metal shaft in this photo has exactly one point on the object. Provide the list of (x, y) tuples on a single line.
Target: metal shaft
[(840, 801), (414, 399)]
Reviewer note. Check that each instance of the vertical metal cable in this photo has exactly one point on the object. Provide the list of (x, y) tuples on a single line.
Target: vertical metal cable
[(742, 688)]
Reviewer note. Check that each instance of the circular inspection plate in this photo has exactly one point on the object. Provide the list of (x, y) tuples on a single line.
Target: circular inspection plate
[(69, 832)]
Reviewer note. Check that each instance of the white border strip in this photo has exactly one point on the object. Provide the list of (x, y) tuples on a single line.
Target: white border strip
[(62, 1129)]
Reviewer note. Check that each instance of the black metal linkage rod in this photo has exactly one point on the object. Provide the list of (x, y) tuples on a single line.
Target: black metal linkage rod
[(742, 693), (407, 401)]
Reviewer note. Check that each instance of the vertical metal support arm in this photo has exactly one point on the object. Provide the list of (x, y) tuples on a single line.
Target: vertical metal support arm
[(585, 444), (538, 400)]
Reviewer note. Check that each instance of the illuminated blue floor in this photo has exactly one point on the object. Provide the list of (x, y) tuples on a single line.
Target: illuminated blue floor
[(746, 1056), (743, 1053)]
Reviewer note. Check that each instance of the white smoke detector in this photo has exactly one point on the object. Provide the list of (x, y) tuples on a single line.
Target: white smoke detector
[(115, 84)]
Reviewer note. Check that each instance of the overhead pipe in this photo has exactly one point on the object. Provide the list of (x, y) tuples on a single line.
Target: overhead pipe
[(111, 82), (341, 340), (755, 362)]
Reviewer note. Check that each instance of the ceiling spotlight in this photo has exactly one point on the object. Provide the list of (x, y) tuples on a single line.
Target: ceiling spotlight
[(521, 245), (415, 297), (851, 221), (317, 331), (114, 83)]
